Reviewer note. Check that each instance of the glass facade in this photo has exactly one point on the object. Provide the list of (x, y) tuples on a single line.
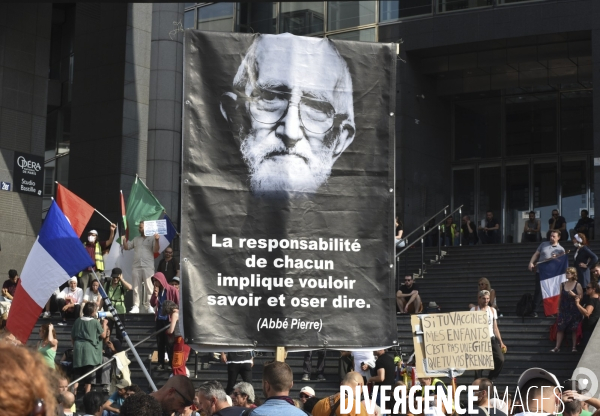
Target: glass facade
[(517, 153)]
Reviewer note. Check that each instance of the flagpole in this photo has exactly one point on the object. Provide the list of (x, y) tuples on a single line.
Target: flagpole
[(119, 324), (102, 215)]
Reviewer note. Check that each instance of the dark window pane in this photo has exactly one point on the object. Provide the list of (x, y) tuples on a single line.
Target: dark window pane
[(531, 124), (258, 18), (189, 19), (490, 186), (545, 195), (365, 35), (574, 191), (396, 9), (217, 17), (302, 17), (451, 5), (517, 201), (464, 191), (576, 121), (477, 128), (345, 14)]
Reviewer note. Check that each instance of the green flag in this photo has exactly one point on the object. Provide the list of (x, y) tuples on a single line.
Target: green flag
[(141, 206)]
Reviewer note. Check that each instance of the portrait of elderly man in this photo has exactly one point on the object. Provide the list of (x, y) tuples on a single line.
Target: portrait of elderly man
[(291, 110)]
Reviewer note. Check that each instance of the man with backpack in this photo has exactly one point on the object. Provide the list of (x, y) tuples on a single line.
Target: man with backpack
[(116, 290), (546, 250)]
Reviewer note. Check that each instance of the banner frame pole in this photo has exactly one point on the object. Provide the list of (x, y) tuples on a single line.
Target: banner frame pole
[(119, 324), (280, 354)]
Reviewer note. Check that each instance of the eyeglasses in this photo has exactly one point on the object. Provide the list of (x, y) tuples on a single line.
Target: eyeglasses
[(304, 396), (186, 402), (269, 107), (39, 408)]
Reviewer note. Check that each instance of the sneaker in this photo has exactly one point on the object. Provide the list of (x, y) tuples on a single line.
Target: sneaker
[(534, 315), (134, 309), (161, 367), (306, 377), (150, 310), (62, 323), (320, 377), (46, 315)]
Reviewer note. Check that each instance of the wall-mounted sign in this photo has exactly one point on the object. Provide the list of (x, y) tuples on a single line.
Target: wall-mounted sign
[(28, 174), (5, 186)]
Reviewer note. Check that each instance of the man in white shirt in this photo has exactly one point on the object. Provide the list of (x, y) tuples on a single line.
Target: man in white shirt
[(69, 301), (364, 361), (497, 345), (143, 268)]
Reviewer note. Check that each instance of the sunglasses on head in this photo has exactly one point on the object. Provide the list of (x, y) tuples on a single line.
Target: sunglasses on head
[(186, 402)]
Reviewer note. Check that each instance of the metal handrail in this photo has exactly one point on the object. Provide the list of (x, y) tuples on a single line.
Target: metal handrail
[(425, 223), (428, 231), (104, 364), (425, 233)]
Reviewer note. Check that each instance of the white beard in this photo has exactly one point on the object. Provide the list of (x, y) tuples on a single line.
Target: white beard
[(296, 170)]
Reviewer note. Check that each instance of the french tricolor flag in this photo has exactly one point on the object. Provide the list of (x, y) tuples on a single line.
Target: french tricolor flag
[(56, 255), (165, 240), (552, 274)]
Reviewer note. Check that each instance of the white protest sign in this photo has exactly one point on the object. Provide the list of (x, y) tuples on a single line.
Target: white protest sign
[(155, 227)]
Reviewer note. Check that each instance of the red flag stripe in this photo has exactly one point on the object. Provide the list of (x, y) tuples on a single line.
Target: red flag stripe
[(23, 315), (77, 211)]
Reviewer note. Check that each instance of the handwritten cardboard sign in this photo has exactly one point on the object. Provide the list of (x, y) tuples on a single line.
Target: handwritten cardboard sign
[(457, 340)]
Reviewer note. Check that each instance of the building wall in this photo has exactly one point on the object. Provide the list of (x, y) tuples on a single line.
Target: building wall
[(419, 176), (166, 92), (109, 130), (24, 55)]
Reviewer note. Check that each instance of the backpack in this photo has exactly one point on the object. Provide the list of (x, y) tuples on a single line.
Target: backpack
[(525, 305)]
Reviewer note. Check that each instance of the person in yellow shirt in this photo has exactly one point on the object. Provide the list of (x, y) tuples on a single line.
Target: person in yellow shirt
[(326, 405)]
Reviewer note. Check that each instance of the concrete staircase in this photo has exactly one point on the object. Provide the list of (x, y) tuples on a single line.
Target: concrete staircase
[(452, 284)]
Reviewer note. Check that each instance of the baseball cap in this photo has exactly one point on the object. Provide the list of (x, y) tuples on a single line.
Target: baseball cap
[(536, 372), (116, 272), (175, 279), (308, 391), (122, 384), (93, 232)]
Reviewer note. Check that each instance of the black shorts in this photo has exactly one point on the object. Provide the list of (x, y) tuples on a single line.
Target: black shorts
[(78, 372)]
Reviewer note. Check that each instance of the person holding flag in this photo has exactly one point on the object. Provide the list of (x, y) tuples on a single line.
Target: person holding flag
[(143, 268), (95, 249), (546, 251)]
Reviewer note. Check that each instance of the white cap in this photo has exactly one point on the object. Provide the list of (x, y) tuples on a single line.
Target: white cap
[(93, 232), (536, 372), (307, 390), (73, 279)]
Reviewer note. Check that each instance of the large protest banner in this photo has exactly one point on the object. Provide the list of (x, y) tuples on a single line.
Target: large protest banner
[(287, 192)]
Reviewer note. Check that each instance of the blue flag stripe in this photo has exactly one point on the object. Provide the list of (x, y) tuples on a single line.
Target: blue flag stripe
[(60, 241), (171, 231), (553, 268)]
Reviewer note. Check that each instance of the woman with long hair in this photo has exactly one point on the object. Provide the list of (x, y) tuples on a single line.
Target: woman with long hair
[(568, 313), (92, 294), (484, 284), (583, 259), (48, 344)]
